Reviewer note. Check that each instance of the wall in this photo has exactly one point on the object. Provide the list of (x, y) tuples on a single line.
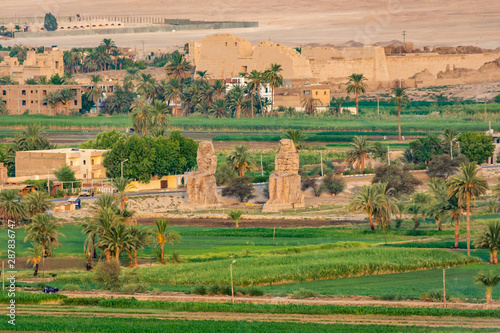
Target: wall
[(30, 163), (3, 173), (36, 65), (23, 98), (155, 184)]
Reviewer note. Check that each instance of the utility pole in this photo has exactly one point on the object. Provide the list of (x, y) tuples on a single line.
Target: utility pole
[(388, 155), (232, 288), (378, 105), (261, 166), (321, 163), (274, 235), (404, 40), (485, 112)]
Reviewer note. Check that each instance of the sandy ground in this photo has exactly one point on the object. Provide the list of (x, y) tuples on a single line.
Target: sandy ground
[(426, 22)]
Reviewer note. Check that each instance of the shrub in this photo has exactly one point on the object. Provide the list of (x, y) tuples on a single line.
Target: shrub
[(89, 301), (108, 275), (199, 290), (214, 290), (133, 288), (240, 188), (398, 223), (433, 296), (254, 291), (50, 22), (71, 287), (333, 184), (303, 293)]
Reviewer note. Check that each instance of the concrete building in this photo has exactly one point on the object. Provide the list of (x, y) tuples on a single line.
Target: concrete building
[(223, 55), (293, 97), (36, 65), (265, 89), (21, 99), (3, 173), (86, 163)]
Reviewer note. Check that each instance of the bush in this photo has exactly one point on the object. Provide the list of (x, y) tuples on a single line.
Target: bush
[(433, 296), (214, 290), (133, 288), (224, 174), (71, 287), (368, 171), (108, 275), (199, 290), (254, 291), (89, 301), (303, 293), (50, 22), (398, 223), (333, 184), (240, 188)]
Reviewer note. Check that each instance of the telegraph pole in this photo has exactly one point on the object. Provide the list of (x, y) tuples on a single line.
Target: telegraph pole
[(404, 39)]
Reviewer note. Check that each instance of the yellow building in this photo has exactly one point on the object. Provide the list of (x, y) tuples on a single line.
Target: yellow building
[(320, 93), (36, 65), (164, 183), (86, 163)]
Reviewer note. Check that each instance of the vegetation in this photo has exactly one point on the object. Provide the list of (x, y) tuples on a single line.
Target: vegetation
[(239, 187), (488, 280), (50, 22), (490, 240)]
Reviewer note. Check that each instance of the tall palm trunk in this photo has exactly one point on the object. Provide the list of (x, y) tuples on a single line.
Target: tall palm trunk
[(357, 104), (117, 256), (238, 111), (468, 224), (488, 294), (135, 259), (416, 223), (370, 218), (457, 229), (36, 270), (97, 105), (399, 121), (131, 259), (494, 255), (161, 252), (107, 253)]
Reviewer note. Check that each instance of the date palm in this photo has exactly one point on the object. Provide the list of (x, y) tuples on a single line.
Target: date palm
[(174, 94), (218, 109), (310, 104), (449, 136), (235, 215), (255, 80), (274, 78), (399, 97), (11, 207), (43, 232), (95, 91), (146, 86), (240, 159), (122, 185), (115, 240), (368, 200), (415, 209), (141, 113), (356, 84), (490, 240), (52, 98), (164, 235), (296, 135), (467, 186), (338, 103), (35, 257), (178, 67), (236, 100), (38, 202), (487, 280), (140, 238), (65, 96), (359, 152), (454, 209)]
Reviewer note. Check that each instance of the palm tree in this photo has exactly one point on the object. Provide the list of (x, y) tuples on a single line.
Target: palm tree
[(122, 185), (399, 97), (454, 210), (490, 240), (237, 99), (115, 53), (367, 200), (52, 98), (255, 80), (160, 114), (104, 201), (178, 67), (310, 104), (173, 93), (132, 74), (359, 152), (95, 91), (414, 209), (146, 86), (115, 240), (235, 215), (11, 207), (108, 45), (467, 185), (141, 113), (43, 232), (35, 257), (296, 135), (38, 202), (488, 280), (3, 107), (240, 159), (449, 135), (203, 76), (164, 235), (338, 103), (274, 78), (140, 238), (218, 89), (388, 206), (356, 85), (65, 96), (218, 109)]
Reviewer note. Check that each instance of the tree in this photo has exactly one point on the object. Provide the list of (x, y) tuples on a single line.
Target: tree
[(140, 238), (141, 114), (454, 209), (122, 185), (224, 174), (174, 94), (3, 107), (334, 184), (218, 109), (65, 174), (356, 84), (398, 178), (423, 149), (478, 147), (490, 240), (43, 232), (115, 240), (52, 98), (178, 67), (235, 215), (467, 185), (95, 92), (338, 103), (239, 187), (50, 22), (488, 280), (399, 97), (443, 166), (358, 152), (236, 100), (414, 208), (367, 200), (255, 80), (11, 207), (34, 258), (165, 235), (274, 78), (38, 202), (310, 104), (449, 136), (240, 159), (296, 135)]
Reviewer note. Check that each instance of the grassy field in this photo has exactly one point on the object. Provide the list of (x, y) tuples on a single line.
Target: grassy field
[(410, 123), (149, 325)]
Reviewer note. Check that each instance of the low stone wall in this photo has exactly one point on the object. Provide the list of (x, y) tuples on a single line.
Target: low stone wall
[(131, 30)]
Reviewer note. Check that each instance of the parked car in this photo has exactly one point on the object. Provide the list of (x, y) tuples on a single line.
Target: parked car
[(49, 290), (87, 192)]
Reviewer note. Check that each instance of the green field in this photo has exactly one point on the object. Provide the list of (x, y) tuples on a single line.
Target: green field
[(119, 325)]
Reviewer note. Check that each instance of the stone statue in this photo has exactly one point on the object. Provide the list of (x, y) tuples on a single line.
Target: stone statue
[(285, 182), (201, 184)]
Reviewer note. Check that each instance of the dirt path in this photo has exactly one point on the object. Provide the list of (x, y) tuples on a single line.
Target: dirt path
[(177, 297), (300, 318)]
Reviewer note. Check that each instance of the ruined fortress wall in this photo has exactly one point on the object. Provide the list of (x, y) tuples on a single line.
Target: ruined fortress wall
[(320, 53), (295, 66), (407, 66)]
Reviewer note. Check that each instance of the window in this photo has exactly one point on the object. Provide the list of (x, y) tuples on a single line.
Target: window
[(316, 93), (92, 161), (4, 92), (84, 162), (23, 92), (226, 43), (244, 69), (70, 163), (76, 102), (84, 176), (306, 92), (57, 63), (23, 102), (324, 92), (235, 43), (44, 93)]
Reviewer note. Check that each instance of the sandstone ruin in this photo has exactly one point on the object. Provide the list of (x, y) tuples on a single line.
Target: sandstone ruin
[(285, 182), (201, 184)]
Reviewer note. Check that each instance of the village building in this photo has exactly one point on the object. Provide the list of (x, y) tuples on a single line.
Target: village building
[(35, 66), (31, 99), (86, 163)]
